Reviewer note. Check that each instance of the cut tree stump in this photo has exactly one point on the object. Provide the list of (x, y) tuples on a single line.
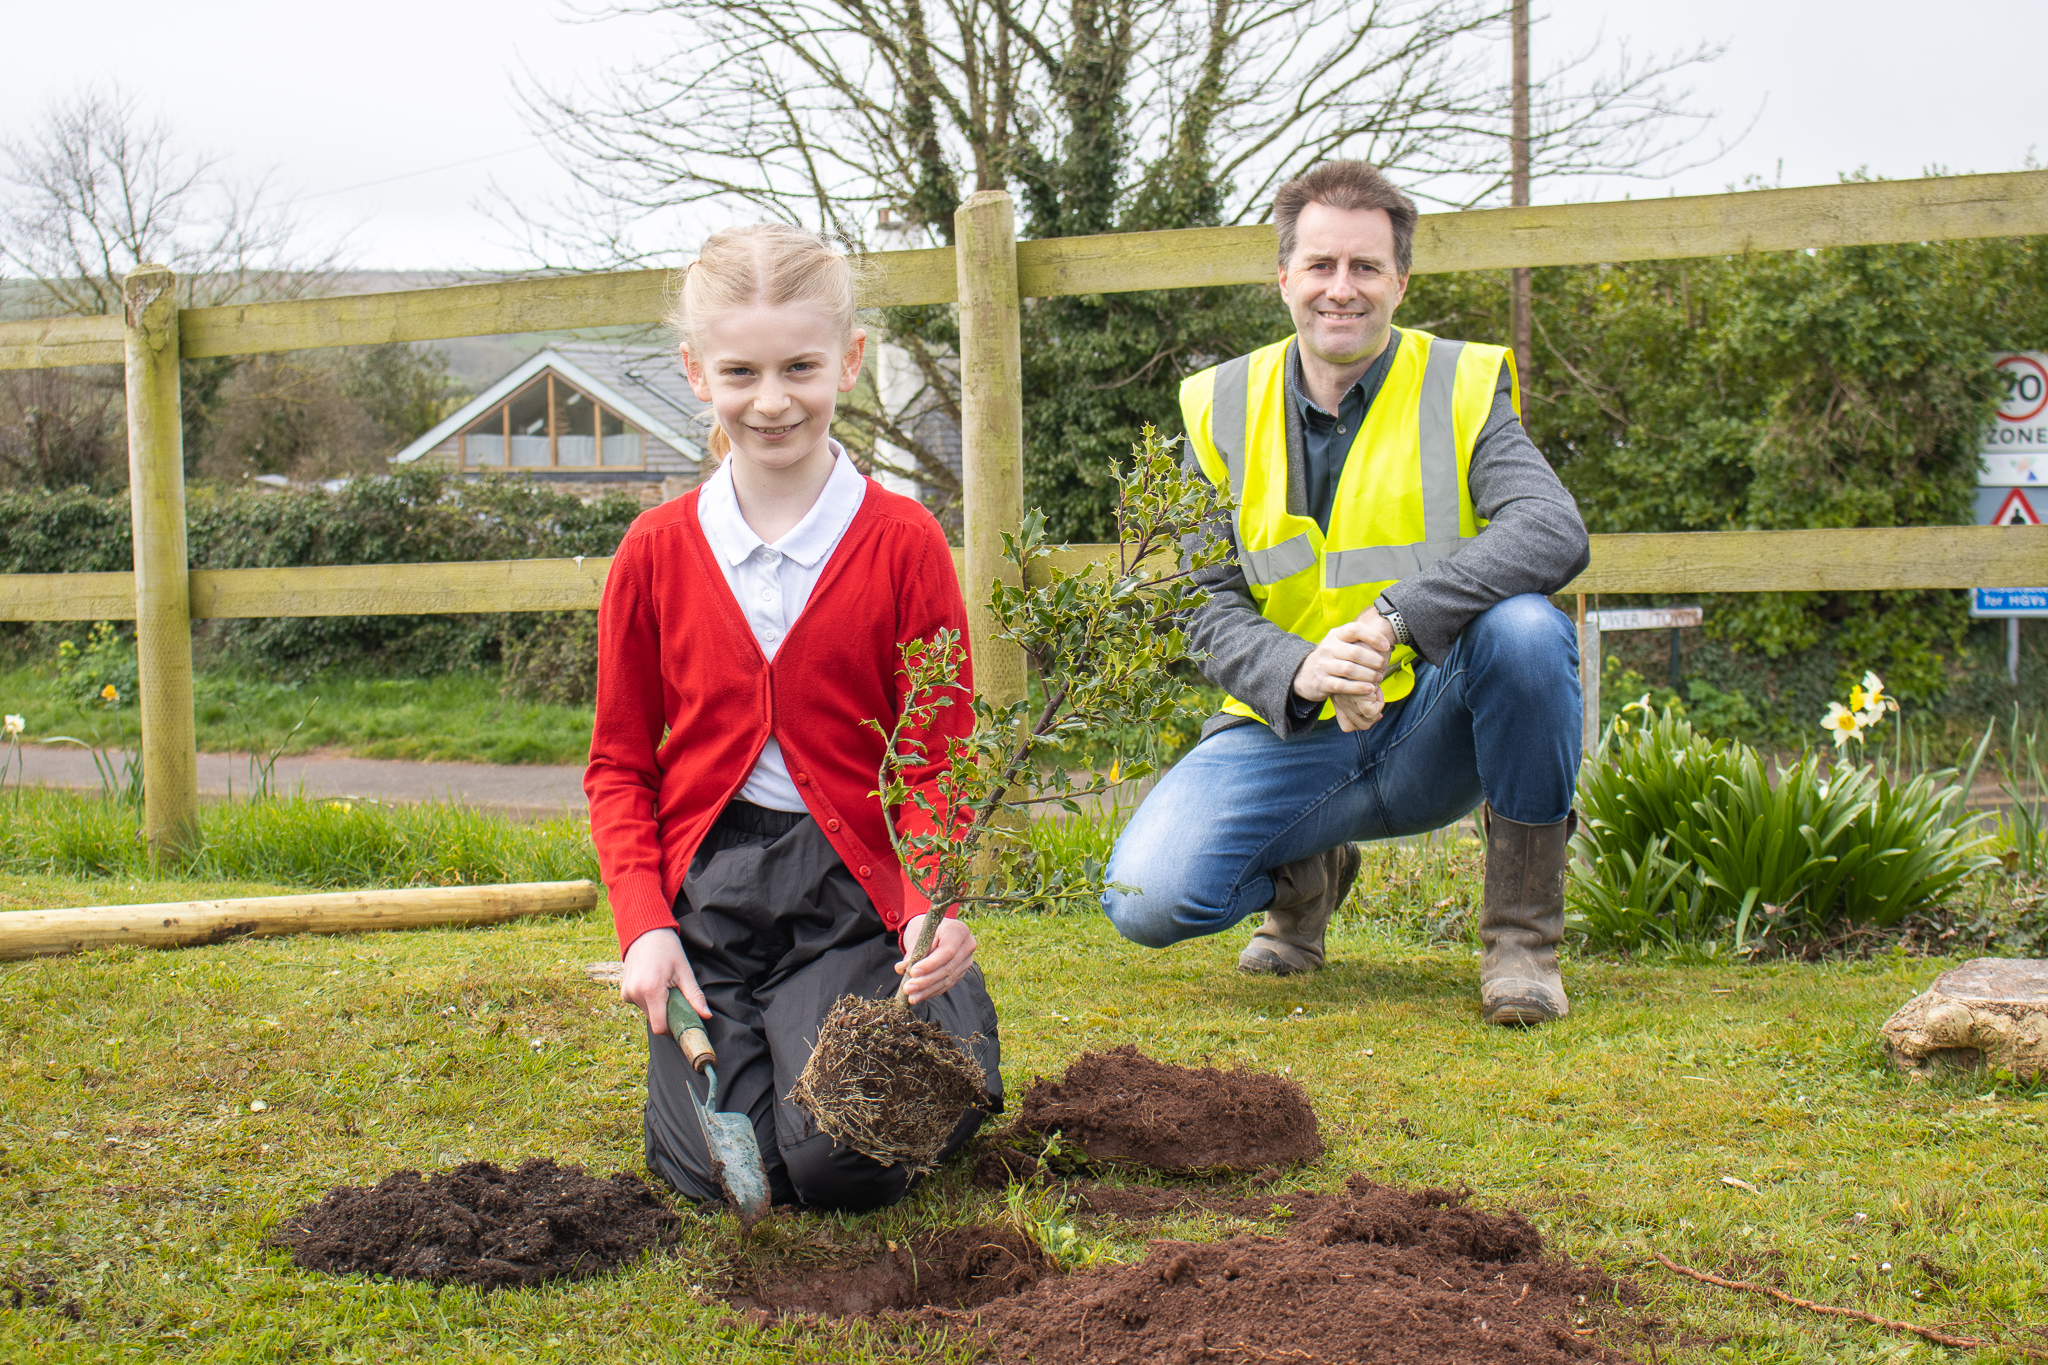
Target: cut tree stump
[(1989, 1012), (605, 973)]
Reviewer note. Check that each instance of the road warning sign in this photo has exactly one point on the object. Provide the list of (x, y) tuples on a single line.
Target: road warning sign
[(2015, 445), (2016, 510)]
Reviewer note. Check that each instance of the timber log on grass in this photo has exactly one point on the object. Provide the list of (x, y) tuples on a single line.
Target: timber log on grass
[(182, 924), (1991, 1011)]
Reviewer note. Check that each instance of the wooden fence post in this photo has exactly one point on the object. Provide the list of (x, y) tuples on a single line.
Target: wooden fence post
[(1589, 676), (163, 616), (992, 424)]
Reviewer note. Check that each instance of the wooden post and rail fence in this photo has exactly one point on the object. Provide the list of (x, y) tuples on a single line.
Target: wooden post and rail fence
[(987, 275)]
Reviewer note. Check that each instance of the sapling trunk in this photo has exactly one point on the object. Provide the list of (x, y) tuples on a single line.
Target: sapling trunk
[(882, 1080), (926, 936)]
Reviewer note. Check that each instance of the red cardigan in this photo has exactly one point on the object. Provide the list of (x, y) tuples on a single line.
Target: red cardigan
[(686, 699)]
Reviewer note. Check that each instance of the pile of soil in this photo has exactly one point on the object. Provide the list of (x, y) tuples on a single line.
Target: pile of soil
[(1121, 1106), (480, 1225), (1377, 1274), (959, 1268)]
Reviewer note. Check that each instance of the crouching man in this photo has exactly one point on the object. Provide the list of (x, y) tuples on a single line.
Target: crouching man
[(1381, 627)]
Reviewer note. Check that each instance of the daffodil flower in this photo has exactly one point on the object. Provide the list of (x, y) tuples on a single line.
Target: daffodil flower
[(1641, 704), (1843, 723), (15, 725), (1869, 696), (110, 693)]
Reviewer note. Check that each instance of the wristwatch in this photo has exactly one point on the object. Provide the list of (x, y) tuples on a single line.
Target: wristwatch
[(1401, 635)]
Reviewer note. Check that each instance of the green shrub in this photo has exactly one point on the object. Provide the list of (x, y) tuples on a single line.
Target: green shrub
[(107, 660), (1685, 840), (415, 516)]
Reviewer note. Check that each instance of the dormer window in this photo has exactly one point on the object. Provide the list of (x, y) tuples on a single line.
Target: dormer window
[(552, 424)]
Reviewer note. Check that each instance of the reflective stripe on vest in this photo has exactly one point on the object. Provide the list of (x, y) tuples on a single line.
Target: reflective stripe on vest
[(1440, 487), (1402, 501)]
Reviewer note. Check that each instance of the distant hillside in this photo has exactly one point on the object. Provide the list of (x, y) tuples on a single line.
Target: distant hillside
[(474, 362)]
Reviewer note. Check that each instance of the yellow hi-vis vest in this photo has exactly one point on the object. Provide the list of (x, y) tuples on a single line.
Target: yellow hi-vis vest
[(1402, 500)]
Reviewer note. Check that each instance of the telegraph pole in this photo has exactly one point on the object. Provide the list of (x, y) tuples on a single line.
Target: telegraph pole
[(1518, 152)]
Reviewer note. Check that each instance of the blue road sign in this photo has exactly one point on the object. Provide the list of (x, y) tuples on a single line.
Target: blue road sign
[(2009, 601)]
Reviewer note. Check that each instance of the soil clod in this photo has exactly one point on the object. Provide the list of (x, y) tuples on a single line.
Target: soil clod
[(1122, 1106), (481, 1225), (959, 1268), (1000, 1166), (1376, 1274), (888, 1084)]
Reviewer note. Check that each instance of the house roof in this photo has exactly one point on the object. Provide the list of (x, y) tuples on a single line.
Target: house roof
[(643, 385)]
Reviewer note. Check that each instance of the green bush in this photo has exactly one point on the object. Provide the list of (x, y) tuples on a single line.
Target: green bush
[(107, 660), (1685, 840), (415, 516)]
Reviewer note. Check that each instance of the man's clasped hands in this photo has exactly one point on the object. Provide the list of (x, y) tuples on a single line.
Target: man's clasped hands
[(1347, 668)]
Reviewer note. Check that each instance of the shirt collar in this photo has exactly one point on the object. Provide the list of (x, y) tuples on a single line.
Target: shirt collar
[(1358, 389), (810, 540)]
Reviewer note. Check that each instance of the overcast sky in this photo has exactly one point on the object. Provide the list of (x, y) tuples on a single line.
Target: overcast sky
[(393, 119)]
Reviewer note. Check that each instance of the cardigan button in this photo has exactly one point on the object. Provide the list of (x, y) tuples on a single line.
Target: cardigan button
[(832, 825), (803, 779), (866, 871)]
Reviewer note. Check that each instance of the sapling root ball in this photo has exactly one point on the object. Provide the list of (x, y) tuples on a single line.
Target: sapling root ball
[(888, 1084)]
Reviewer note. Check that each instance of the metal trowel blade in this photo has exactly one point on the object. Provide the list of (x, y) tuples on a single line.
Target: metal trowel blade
[(738, 1154)]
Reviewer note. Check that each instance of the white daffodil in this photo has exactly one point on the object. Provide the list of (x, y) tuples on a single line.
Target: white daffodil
[(1843, 723), (15, 725), (1868, 698)]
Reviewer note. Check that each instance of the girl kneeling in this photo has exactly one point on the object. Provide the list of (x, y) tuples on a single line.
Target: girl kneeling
[(749, 632)]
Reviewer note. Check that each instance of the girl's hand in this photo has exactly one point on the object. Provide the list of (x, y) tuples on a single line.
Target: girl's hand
[(654, 962), (940, 969)]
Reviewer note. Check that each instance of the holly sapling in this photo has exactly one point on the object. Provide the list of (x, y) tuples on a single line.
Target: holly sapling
[(1106, 642)]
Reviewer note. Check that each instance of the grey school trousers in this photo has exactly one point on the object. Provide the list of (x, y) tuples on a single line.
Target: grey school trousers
[(777, 929)]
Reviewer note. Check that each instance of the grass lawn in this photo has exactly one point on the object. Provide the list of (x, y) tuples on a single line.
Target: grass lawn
[(449, 717), (137, 1182)]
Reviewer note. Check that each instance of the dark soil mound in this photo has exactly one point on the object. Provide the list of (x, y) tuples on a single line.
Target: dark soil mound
[(479, 1225), (1121, 1106), (1378, 1274), (960, 1268)]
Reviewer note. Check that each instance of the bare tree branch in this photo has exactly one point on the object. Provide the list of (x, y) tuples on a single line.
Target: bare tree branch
[(96, 188)]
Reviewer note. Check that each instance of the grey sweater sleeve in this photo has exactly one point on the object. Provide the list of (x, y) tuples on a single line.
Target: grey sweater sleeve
[(1534, 540), (1237, 648)]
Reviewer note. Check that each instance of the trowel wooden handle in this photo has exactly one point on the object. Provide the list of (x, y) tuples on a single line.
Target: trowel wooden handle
[(689, 1032)]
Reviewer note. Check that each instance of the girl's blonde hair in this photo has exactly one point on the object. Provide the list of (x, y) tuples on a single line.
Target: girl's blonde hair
[(775, 264)]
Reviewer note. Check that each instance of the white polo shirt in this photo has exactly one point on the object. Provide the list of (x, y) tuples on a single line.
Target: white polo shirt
[(771, 583)]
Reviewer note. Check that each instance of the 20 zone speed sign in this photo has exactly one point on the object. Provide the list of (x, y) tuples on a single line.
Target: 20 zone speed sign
[(2026, 387)]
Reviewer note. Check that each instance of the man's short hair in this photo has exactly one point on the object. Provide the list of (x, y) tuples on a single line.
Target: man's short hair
[(1345, 185)]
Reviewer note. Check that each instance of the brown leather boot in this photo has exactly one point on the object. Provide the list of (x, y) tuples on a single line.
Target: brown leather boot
[(1305, 894), (1522, 920)]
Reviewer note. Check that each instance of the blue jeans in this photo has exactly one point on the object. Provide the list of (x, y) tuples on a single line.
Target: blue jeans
[(1497, 720)]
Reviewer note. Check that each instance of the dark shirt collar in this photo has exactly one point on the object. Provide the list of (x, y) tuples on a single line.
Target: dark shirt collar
[(1360, 393)]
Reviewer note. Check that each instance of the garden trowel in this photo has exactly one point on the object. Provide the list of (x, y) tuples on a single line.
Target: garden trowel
[(735, 1154)]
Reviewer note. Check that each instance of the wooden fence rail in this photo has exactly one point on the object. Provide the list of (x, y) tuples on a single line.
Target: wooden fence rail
[(987, 278), (1683, 562), (1863, 214)]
